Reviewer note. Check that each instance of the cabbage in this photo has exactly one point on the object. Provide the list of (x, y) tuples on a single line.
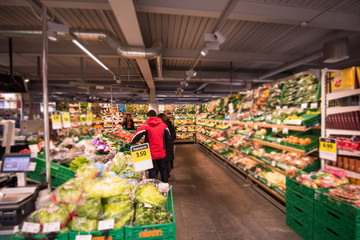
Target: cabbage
[(148, 193), (83, 224), (70, 192), (53, 213), (108, 187), (89, 207), (116, 199), (78, 162), (122, 212), (149, 216), (87, 171), (120, 162)]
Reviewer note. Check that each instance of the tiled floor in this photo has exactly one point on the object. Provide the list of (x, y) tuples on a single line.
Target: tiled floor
[(212, 203)]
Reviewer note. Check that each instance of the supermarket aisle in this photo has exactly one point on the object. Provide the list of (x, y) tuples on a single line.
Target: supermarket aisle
[(211, 203)]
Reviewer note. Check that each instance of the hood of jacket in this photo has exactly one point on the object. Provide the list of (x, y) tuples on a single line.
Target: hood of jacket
[(154, 121)]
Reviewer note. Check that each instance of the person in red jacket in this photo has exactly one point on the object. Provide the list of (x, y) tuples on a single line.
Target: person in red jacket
[(157, 135)]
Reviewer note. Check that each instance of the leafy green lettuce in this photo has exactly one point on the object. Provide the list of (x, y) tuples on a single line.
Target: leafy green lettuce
[(83, 224), (148, 193), (108, 187), (122, 212), (53, 213), (89, 207), (70, 192)]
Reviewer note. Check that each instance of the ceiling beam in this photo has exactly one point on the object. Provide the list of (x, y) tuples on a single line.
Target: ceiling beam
[(254, 11)]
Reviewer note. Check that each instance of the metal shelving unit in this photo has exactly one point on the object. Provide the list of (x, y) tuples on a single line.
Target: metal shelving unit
[(326, 97)]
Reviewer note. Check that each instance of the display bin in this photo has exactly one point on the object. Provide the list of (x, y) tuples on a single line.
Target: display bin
[(342, 208), (301, 202), (279, 191), (59, 174), (300, 226), (115, 234), (308, 147), (154, 232), (299, 188), (60, 236), (314, 166), (311, 120)]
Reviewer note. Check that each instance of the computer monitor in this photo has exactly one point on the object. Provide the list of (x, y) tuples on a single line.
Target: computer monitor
[(15, 162)]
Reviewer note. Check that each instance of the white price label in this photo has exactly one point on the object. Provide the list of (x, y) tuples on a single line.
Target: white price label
[(163, 187), (262, 137), (314, 106), (268, 184), (278, 122), (274, 129), (285, 107), (83, 237), (34, 148), (76, 139), (273, 163), (246, 126), (51, 227), (30, 227), (256, 127), (285, 131), (106, 224), (278, 107), (279, 140), (304, 105), (33, 155), (32, 166), (16, 229), (268, 118)]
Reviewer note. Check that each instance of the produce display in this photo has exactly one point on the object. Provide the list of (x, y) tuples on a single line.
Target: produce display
[(348, 193), (185, 126)]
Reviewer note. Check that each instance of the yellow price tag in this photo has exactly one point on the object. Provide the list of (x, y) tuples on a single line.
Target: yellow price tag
[(66, 117), (328, 147), (89, 117), (141, 155), (56, 118)]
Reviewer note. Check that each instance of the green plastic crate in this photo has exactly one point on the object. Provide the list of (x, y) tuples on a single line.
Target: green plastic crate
[(338, 221), (300, 226), (115, 234), (323, 232), (312, 167), (339, 206), (299, 188), (311, 120), (301, 202), (156, 231), (60, 236), (59, 174), (308, 147)]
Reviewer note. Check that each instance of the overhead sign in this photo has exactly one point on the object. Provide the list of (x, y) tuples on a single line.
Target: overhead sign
[(328, 149), (141, 157)]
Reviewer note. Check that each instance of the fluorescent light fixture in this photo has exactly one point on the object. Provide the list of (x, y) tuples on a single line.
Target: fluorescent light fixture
[(26, 80), (52, 35), (204, 51), (90, 54), (191, 73)]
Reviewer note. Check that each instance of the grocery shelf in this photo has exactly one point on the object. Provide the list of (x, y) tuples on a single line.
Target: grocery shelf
[(267, 188), (334, 110), (342, 132), (349, 153), (348, 173), (276, 145), (342, 94)]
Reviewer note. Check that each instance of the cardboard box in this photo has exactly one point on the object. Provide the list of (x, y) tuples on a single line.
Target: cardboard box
[(345, 79)]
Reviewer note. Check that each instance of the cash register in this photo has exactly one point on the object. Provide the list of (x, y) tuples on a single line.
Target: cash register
[(16, 202)]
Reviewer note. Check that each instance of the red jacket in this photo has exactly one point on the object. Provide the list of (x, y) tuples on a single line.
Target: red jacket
[(156, 134)]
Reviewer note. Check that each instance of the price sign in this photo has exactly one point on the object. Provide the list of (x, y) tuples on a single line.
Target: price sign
[(256, 127), (328, 149), (278, 107), (32, 166), (51, 227), (268, 118), (56, 121), (89, 119), (313, 105), (141, 157), (83, 237), (274, 129), (304, 106), (16, 229), (30, 227), (273, 163), (285, 131), (106, 224), (34, 148), (285, 107), (66, 119)]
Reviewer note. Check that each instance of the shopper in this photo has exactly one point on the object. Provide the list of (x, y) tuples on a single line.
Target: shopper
[(128, 123), (171, 119), (158, 136), (170, 147)]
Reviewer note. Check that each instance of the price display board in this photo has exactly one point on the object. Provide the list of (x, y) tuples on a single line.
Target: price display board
[(66, 119), (141, 157), (328, 149), (56, 120)]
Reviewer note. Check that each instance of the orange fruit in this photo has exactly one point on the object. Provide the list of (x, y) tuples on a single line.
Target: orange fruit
[(308, 140)]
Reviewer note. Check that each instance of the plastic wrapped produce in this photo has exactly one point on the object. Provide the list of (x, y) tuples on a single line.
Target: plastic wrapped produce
[(69, 192), (87, 171), (83, 224), (108, 186), (148, 192), (54, 213), (149, 216), (89, 207), (122, 212)]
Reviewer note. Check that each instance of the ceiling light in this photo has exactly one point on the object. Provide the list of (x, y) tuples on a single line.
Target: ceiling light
[(52, 35), (184, 83), (191, 73), (90, 54), (204, 51), (26, 80), (336, 50)]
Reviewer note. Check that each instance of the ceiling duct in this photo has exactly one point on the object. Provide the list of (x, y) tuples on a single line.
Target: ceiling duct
[(336, 50)]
